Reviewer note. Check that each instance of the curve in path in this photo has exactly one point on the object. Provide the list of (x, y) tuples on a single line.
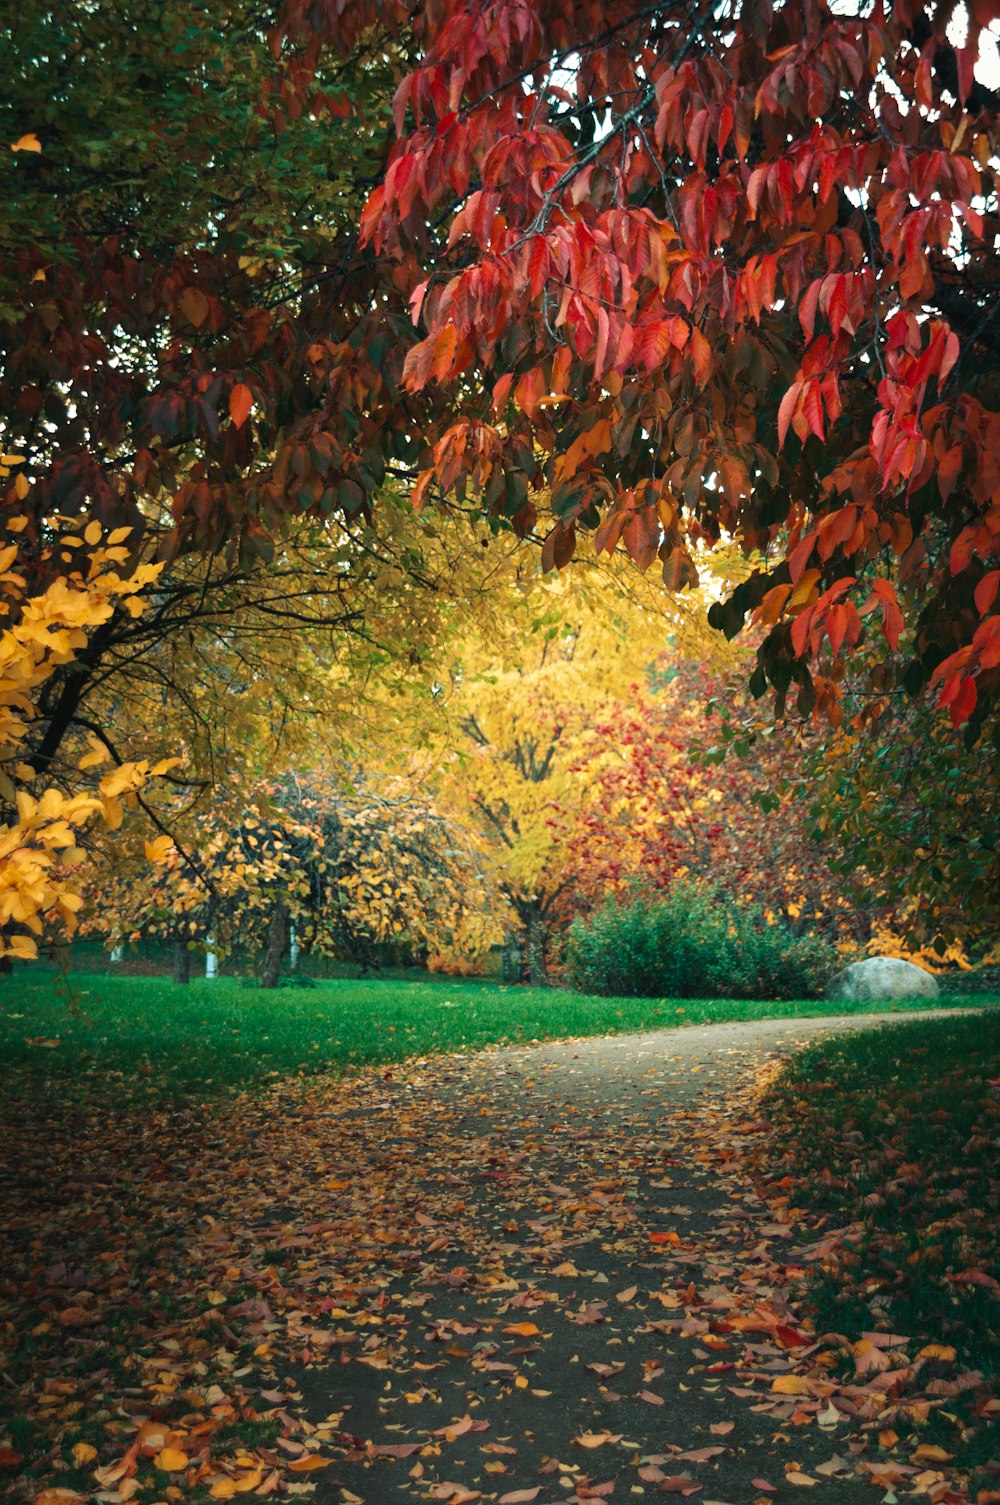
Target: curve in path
[(562, 1290)]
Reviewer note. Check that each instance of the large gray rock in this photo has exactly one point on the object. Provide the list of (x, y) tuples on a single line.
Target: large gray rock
[(881, 979)]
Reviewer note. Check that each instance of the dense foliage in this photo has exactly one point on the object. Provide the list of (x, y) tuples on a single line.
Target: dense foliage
[(693, 942)]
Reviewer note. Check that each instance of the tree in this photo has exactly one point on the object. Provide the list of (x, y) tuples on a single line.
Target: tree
[(519, 709), (191, 344), (52, 614), (353, 864), (689, 782), (700, 271), (892, 798)]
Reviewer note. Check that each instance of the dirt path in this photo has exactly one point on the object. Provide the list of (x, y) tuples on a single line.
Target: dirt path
[(526, 1275), (582, 1236)]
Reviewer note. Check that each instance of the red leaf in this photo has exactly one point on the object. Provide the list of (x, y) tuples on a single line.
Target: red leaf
[(964, 703), (240, 404), (986, 592)]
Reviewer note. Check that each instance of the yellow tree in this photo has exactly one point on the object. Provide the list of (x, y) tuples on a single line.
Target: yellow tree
[(519, 713), (58, 589)]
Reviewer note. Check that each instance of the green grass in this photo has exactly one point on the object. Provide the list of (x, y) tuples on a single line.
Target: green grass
[(148, 1035), (901, 1129)]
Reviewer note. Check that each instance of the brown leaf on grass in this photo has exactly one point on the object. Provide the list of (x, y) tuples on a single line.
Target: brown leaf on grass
[(587, 1315), (721, 1428), (459, 1428), (701, 1455), (520, 1496), (627, 1295), (596, 1439)]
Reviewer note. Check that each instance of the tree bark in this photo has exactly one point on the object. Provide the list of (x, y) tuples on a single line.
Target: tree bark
[(538, 971), (182, 962), (277, 938), (510, 959)]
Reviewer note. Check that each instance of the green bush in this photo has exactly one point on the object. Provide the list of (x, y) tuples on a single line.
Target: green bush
[(693, 942)]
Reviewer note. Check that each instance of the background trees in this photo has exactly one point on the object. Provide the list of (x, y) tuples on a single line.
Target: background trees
[(676, 279)]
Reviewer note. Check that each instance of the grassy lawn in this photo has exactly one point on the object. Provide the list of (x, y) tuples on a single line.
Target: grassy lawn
[(902, 1131), (89, 1032)]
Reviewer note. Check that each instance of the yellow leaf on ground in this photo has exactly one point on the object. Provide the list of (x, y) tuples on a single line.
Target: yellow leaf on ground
[(83, 1453), (790, 1384), (28, 143), (927, 1452), (171, 1460), (308, 1462), (942, 1351)]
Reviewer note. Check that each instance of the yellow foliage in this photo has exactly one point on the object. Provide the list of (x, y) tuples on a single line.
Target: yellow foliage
[(44, 630), (886, 942)]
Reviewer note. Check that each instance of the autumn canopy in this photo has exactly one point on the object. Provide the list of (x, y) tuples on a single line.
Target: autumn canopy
[(297, 324)]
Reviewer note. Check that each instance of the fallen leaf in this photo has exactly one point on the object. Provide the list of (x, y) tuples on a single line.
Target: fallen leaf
[(927, 1452), (172, 1460), (790, 1384), (308, 1462), (520, 1496)]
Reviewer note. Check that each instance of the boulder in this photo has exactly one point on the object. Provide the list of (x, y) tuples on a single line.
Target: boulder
[(881, 979)]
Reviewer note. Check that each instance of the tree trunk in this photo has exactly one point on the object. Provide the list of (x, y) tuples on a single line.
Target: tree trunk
[(277, 938), (510, 958), (538, 972), (182, 962)]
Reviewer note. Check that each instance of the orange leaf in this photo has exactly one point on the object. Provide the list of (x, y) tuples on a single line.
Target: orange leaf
[(171, 1460), (308, 1462), (240, 404)]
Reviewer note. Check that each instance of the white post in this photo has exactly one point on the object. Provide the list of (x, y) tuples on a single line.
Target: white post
[(293, 948), (211, 960), (118, 952)]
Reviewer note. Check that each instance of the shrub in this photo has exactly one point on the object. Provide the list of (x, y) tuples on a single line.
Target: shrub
[(693, 942)]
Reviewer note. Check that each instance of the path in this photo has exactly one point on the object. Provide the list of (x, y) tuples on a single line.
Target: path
[(553, 1233)]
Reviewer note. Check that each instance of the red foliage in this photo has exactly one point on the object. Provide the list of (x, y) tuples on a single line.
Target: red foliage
[(658, 810), (720, 273)]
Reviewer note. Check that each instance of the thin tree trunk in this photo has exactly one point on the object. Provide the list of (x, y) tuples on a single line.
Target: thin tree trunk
[(538, 972), (510, 958), (277, 939), (182, 962)]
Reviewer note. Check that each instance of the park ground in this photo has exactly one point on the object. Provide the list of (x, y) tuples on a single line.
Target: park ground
[(328, 1242)]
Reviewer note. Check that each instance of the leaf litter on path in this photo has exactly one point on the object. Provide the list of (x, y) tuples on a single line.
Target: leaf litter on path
[(447, 1281)]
